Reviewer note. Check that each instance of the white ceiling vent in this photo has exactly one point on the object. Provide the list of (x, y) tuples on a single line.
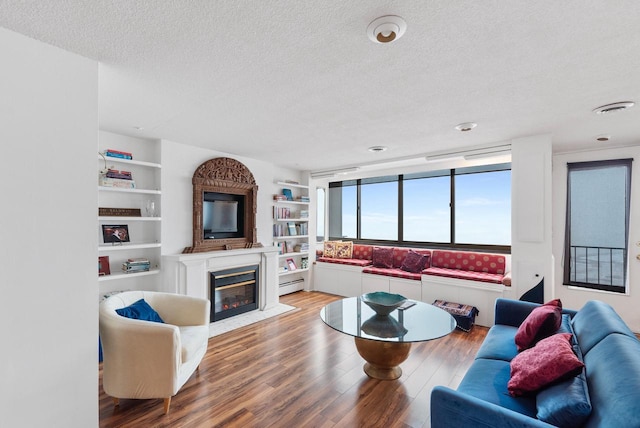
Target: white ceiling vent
[(614, 107)]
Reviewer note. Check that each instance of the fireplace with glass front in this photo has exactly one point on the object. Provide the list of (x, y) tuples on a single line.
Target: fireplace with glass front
[(233, 291)]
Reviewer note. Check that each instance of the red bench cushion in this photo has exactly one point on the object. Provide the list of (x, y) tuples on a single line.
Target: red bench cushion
[(350, 262), (394, 272), (469, 261), (465, 274)]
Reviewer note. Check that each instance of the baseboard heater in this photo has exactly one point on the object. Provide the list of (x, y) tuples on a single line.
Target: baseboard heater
[(292, 282)]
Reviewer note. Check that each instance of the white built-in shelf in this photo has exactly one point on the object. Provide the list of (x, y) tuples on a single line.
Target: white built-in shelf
[(123, 218), (123, 190), (285, 184), (131, 162), (283, 238), (291, 202), (306, 219), (291, 272), (300, 253), (128, 246), (122, 275)]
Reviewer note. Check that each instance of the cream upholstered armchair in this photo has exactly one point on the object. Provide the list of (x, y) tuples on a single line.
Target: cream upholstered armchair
[(143, 359)]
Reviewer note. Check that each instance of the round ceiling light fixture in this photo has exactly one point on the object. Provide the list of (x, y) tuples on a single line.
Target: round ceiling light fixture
[(466, 126), (614, 107), (377, 149), (386, 29)]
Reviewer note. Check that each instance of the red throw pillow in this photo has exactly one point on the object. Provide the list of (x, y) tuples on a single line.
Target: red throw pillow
[(383, 257), (543, 321), (414, 262), (550, 360)]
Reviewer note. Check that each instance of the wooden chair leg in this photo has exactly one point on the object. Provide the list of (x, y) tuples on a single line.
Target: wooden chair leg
[(116, 401), (167, 403)]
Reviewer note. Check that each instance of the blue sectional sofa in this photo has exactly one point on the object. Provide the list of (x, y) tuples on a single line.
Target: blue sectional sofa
[(611, 355)]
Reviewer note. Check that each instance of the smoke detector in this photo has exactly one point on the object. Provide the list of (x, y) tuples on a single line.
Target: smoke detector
[(614, 107), (386, 29), (466, 126)]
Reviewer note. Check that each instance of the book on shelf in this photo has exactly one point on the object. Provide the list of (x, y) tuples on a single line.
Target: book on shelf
[(119, 212), (281, 213), (288, 194), (114, 173), (137, 261), (116, 182), (136, 267), (117, 154), (279, 198), (304, 214), (302, 199), (291, 227)]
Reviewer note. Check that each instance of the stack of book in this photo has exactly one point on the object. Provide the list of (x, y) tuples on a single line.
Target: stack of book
[(140, 264), (118, 154), (302, 199), (279, 198), (281, 212), (115, 178)]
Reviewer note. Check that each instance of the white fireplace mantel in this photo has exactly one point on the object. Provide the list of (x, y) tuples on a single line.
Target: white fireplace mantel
[(188, 274)]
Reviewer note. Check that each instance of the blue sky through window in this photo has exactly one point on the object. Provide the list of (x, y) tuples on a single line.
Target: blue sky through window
[(483, 209)]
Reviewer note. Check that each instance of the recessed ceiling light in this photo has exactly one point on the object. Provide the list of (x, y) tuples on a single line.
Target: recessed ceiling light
[(603, 137), (377, 149), (614, 107), (386, 29), (139, 128), (466, 126)]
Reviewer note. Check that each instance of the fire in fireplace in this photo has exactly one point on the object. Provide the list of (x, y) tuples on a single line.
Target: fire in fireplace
[(233, 291)]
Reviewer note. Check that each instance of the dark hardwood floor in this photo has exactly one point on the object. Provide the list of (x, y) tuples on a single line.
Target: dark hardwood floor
[(293, 370)]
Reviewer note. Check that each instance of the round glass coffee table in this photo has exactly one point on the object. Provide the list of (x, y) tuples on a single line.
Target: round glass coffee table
[(385, 341)]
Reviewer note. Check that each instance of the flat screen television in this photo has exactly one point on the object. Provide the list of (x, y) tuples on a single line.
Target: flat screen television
[(222, 216)]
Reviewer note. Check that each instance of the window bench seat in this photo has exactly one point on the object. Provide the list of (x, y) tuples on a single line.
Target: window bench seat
[(460, 276)]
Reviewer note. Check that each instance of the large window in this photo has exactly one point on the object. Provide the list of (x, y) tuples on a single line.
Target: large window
[(379, 209), (597, 224), (465, 208)]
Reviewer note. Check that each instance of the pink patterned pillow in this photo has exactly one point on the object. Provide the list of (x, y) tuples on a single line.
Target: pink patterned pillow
[(543, 321), (550, 360), (329, 249), (383, 257), (414, 262), (344, 250)]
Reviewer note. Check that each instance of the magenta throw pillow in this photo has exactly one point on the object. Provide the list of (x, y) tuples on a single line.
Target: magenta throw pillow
[(383, 257), (552, 359), (414, 262), (542, 322)]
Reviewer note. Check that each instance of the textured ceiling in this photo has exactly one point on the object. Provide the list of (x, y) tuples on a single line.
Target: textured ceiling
[(299, 84)]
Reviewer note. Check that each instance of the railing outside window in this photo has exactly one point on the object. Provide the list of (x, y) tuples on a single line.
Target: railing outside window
[(598, 265)]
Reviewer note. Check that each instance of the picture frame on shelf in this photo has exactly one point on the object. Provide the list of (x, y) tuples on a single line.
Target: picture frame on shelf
[(291, 264), (115, 233), (103, 266)]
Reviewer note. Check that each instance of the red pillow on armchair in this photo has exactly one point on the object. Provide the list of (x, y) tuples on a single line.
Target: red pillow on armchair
[(542, 322)]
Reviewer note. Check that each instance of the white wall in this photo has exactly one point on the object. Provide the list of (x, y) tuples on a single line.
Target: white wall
[(179, 162), (48, 257), (531, 255), (626, 305)]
